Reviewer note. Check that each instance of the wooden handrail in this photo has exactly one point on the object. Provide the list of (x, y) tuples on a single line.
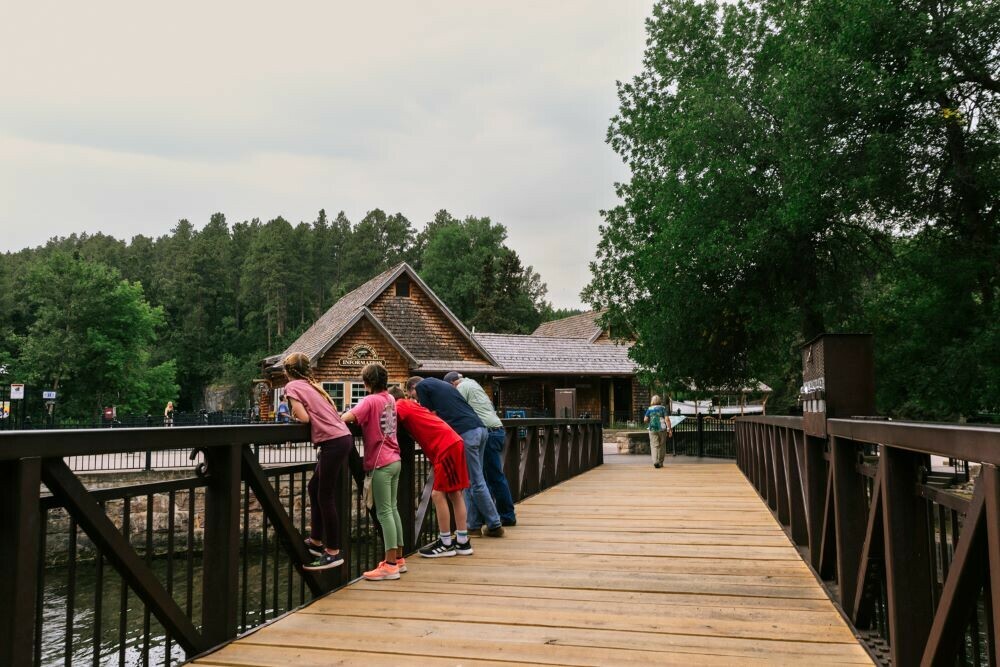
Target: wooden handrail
[(890, 532)]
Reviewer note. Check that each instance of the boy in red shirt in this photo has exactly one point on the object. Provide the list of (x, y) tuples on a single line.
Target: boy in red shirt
[(446, 451)]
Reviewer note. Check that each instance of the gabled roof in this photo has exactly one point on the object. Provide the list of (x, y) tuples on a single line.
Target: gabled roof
[(583, 326), (540, 354), (351, 307)]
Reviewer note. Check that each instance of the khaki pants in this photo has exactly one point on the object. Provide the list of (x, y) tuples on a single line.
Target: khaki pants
[(658, 446)]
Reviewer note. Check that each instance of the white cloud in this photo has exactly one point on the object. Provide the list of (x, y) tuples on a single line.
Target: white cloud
[(122, 118)]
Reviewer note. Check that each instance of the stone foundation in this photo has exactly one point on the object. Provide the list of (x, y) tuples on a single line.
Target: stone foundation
[(632, 442)]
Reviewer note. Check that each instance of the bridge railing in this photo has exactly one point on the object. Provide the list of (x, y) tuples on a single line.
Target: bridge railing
[(900, 519), (158, 572)]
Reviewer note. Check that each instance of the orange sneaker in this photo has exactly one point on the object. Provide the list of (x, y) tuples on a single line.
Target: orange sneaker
[(383, 571), (401, 564)]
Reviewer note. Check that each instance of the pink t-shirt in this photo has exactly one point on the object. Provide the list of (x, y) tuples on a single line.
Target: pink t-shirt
[(376, 414), (324, 421)]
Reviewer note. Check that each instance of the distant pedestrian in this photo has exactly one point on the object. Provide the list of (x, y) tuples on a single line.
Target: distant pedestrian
[(658, 424), (446, 451), (476, 397), (443, 399), (283, 414), (376, 413), (333, 442), (168, 414)]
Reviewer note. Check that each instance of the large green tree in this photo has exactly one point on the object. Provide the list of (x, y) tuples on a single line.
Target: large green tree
[(483, 282), (91, 338), (779, 152)]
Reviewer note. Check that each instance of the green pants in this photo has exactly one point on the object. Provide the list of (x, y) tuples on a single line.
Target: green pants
[(385, 488)]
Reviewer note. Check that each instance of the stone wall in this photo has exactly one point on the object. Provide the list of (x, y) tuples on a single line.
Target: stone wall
[(57, 529), (632, 442)]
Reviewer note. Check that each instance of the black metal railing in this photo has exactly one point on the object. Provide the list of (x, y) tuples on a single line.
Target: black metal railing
[(908, 544), (158, 572), (705, 436)]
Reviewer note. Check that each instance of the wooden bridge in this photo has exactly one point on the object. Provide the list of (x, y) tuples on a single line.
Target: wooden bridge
[(622, 565), (805, 546)]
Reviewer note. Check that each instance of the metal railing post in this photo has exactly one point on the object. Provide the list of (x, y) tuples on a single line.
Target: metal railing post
[(701, 436)]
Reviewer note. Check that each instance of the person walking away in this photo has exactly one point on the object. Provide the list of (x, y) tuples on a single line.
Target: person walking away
[(446, 451), (658, 424), (168, 414), (477, 399), (376, 414), (443, 399), (333, 442)]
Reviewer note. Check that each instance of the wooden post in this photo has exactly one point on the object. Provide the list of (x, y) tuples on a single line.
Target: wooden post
[(407, 483), (907, 556), (20, 482), (811, 452), (220, 588), (850, 515)]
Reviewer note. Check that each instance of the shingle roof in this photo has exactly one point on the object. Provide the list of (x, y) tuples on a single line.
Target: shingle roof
[(325, 331), (583, 326), (539, 354), (446, 365), (340, 315)]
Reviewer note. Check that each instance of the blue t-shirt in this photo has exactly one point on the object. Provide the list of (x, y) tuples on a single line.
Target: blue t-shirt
[(657, 418), (283, 413), (440, 397)]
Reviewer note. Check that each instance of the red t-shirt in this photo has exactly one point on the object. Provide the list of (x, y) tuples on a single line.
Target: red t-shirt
[(430, 431)]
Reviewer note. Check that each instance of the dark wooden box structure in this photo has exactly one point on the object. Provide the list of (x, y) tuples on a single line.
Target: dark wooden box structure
[(838, 379)]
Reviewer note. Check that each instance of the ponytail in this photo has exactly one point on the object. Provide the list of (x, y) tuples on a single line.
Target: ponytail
[(297, 367)]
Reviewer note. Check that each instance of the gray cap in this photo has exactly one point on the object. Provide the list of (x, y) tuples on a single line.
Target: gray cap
[(452, 376)]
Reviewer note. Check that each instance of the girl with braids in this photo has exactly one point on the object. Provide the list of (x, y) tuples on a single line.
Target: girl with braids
[(333, 442), (376, 414)]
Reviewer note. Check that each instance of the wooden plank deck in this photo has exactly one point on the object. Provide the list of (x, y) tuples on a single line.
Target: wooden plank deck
[(624, 565)]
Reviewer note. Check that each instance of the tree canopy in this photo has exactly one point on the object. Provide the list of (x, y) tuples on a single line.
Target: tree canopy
[(134, 324), (806, 166)]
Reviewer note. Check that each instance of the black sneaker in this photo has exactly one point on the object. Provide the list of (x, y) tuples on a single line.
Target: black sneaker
[(438, 549), (463, 549), (316, 551), (324, 562), (493, 532), (508, 522)]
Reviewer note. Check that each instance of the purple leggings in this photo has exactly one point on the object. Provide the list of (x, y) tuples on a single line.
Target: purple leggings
[(330, 458)]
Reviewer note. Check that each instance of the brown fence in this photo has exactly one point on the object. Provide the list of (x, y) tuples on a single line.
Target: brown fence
[(178, 566), (885, 515)]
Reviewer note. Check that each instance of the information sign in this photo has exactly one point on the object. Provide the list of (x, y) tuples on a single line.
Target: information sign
[(16, 391), (49, 395)]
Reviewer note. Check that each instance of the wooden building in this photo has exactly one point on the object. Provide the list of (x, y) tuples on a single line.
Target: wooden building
[(569, 367)]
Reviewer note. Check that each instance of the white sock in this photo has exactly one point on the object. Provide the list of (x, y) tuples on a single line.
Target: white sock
[(446, 539)]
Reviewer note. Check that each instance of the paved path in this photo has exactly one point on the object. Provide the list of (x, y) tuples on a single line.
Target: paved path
[(624, 565)]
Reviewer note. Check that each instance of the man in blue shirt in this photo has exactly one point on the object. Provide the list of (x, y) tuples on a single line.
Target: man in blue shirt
[(477, 399), (443, 399)]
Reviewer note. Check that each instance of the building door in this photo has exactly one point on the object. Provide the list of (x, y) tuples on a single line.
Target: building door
[(565, 403), (623, 400)]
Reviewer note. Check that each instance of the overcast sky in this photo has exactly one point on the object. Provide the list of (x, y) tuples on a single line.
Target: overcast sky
[(123, 117)]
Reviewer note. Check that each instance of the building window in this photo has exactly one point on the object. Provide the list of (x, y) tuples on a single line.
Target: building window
[(336, 391), (403, 286), (357, 392)]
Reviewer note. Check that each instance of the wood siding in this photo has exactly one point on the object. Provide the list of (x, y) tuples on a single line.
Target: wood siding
[(421, 327), (330, 370)]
